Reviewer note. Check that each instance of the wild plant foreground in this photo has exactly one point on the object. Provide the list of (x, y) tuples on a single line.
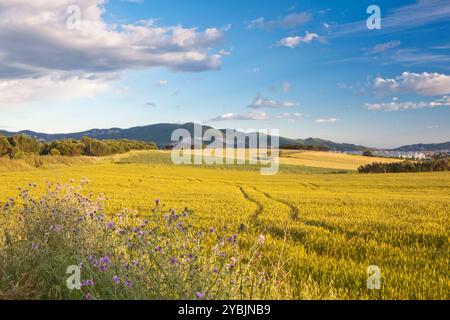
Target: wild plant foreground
[(151, 230)]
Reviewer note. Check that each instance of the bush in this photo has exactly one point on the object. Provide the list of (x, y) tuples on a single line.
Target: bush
[(440, 164), (304, 147), (5, 146), (368, 154), (156, 255), (17, 147)]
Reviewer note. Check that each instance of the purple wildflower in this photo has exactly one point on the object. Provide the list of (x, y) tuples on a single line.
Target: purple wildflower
[(89, 283), (173, 260), (105, 260), (158, 249), (128, 283), (34, 246), (212, 230), (157, 202), (200, 295), (216, 270), (116, 279), (88, 296), (110, 225)]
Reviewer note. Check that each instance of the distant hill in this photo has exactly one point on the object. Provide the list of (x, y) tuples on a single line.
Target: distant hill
[(424, 147), (161, 134), (332, 145)]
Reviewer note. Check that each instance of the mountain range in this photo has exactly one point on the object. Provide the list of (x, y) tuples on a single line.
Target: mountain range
[(161, 134)]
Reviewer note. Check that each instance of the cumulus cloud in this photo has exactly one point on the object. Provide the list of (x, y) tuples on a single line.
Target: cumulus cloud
[(396, 105), (260, 102), (327, 120), (292, 42), (289, 21), (40, 38), (51, 87), (427, 84), (256, 115)]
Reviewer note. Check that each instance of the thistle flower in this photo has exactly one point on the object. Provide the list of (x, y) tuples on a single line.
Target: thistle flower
[(200, 295), (89, 283), (261, 239), (105, 260), (173, 260)]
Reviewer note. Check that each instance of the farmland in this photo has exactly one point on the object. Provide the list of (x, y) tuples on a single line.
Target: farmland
[(322, 226)]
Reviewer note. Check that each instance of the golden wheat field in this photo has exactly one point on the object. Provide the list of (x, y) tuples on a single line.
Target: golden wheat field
[(328, 228), (328, 159)]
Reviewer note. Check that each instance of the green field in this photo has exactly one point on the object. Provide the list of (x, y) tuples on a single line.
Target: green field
[(323, 227)]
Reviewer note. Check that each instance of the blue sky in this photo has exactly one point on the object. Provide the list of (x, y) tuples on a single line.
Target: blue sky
[(308, 68)]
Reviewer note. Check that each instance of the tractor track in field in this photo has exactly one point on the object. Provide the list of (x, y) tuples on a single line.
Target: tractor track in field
[(259, 206), (294, 212)]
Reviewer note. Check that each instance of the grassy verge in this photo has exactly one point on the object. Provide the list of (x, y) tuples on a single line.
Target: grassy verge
[(32, 162)]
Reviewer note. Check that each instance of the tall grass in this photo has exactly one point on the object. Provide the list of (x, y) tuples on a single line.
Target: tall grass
[(32, 162)]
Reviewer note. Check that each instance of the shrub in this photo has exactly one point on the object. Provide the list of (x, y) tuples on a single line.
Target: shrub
[(5, 146), (406, 166), (131, 255)]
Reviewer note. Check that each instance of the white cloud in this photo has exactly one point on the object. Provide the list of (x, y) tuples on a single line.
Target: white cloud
[(37, 44), (256, 115), (427, 84), (327, 120), (290, 117), (162, 83), (261, 102), (396, 105), (410, 16), (289, 21), (51, 87), (224, 52), (292, 42), (381, 47)]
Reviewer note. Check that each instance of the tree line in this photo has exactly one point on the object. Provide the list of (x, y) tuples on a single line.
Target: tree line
[(435, 164), (304, 147), (19, 146)]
